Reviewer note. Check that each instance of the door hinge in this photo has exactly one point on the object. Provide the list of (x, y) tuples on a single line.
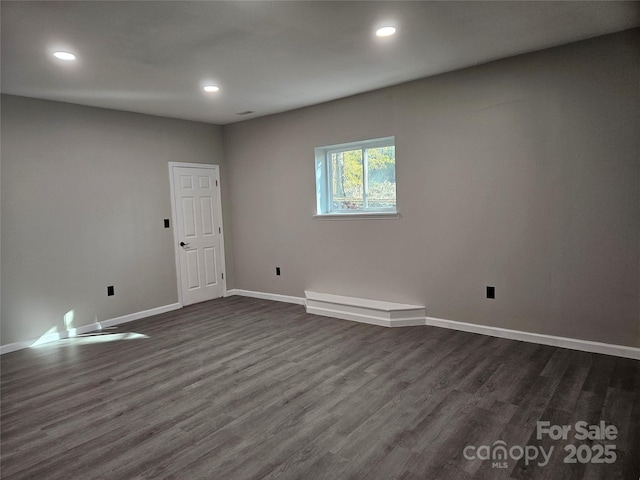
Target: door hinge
[(219, 229), (223, 276), (216, 183)]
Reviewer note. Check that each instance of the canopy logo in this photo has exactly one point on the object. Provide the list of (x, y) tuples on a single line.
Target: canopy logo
[(500, 453)]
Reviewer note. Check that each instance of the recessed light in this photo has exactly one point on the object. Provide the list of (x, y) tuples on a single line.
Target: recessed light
[(211, 88), (385, 31), (64, 55)]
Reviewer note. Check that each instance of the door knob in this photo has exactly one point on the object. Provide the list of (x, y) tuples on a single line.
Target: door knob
[(182, 244)]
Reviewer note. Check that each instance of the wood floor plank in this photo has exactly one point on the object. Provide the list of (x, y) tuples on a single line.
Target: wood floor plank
[(243, 388)]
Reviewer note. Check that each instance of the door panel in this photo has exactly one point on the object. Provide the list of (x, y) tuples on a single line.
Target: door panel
[(199, 233), (193, 274), (204, 182), (206, 207), (210, 270), (186, 181), (188, 217)]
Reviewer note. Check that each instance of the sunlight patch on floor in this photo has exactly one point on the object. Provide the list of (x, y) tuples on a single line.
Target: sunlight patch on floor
[(90, 338), (70, 334)]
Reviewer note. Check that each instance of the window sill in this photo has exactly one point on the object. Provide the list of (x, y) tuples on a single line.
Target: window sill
[(357, 216)]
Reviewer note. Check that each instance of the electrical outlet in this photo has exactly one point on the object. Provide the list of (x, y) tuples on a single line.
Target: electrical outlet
[(110, 291), (277, 270), (491, 292)]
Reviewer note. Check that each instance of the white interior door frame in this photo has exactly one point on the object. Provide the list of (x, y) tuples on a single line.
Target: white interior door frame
[(174, 225)]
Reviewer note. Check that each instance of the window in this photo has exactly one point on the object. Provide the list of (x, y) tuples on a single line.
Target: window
[(356, 178)]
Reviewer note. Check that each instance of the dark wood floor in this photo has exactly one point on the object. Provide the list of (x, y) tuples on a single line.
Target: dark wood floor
[(240, 388)]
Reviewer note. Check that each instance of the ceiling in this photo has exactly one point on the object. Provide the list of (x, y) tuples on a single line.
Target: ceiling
[(268, 56)]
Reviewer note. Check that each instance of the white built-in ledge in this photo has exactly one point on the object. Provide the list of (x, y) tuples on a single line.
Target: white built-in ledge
[(376, 312)]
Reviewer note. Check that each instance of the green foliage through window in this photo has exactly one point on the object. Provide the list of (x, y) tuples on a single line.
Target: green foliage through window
[(357, 177)]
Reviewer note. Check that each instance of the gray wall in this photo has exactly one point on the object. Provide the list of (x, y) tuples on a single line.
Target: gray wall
[(523, 174), (84, 195)]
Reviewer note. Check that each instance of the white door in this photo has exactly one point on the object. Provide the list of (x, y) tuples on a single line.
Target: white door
[(198, 232)]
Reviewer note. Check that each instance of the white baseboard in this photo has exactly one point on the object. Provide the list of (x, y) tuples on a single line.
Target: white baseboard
[(138, 315), (542, 339), (91, 327), (265, 296), (539, 338)]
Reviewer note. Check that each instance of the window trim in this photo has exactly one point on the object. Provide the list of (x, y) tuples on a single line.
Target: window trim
[(364, 215), (324, 179)]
